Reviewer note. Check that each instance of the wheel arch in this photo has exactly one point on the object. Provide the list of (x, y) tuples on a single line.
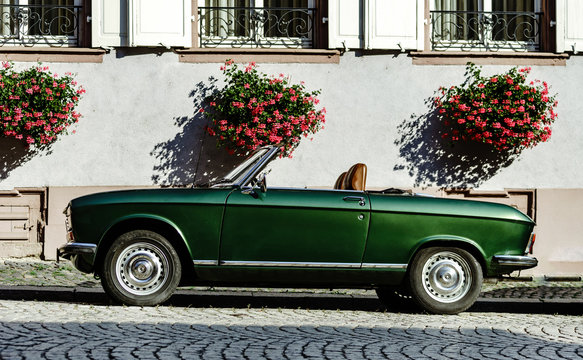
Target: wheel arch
[(150, 222), (454, 241)]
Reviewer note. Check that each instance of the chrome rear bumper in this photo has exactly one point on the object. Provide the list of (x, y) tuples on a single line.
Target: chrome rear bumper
[(516, 262)]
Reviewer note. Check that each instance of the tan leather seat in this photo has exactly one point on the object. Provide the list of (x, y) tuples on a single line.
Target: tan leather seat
[(353, 179), (340, 181)]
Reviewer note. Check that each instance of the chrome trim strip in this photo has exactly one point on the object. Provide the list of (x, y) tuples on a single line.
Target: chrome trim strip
[(314, 264), (515, 260), (205, 262), (383, 266), (290, 264)]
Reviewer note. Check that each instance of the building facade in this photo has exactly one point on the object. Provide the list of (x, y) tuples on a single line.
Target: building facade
[(147, 65)]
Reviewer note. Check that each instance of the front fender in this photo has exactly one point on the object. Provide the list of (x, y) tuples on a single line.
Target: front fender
[(139, 221), (452, 241)]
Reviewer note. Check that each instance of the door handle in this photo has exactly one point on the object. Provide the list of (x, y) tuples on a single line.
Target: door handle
[(360, 199)]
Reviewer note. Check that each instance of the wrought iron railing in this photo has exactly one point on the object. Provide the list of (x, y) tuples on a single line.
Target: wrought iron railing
[(28, 25), (256, 27), (490, 31)]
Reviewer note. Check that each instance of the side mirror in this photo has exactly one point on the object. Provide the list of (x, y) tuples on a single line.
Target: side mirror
[(262, 182), (258, 182)]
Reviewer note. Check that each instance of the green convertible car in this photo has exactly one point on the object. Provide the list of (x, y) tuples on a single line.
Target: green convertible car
[(237, 232)]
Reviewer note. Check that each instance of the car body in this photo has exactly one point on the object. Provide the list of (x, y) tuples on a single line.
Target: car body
[(143, 243)]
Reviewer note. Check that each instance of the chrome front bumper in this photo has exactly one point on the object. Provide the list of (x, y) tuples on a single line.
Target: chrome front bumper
[(72, 248), (82, 255), (515, 262)]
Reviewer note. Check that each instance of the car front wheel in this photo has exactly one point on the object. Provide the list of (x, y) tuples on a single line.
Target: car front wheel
[(445, 280), (141, 268)]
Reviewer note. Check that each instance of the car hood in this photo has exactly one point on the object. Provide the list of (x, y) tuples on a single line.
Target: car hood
[(174, 195)]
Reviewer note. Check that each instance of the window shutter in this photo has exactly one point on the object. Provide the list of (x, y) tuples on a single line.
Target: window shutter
[(109, 23), (345, 23), (376, 24), (155, 23), (569, 25), (394, 24)]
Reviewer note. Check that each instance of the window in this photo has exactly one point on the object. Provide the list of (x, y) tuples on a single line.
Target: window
[(487, 25), (40, 22), (257, 23)]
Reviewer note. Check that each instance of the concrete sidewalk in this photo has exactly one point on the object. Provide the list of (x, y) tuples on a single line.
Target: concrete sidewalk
[(48, 277)]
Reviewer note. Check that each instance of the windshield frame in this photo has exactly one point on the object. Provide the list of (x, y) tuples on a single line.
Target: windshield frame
[(249, 168)]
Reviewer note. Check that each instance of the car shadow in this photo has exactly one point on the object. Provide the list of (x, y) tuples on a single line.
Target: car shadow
[(291, 300), (192, 157), (433, 161)]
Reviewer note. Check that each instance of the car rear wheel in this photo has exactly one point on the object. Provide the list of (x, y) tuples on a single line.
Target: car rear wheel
[(445, 280), (141, 268)]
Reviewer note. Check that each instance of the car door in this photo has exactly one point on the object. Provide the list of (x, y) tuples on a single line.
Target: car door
[(295, 227)]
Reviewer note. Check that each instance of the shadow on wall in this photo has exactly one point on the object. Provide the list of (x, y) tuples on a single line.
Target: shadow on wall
[(192, 156), (13, 153), (433, 161)]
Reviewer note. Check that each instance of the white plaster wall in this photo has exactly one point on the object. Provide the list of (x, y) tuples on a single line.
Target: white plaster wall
[(128, 134)]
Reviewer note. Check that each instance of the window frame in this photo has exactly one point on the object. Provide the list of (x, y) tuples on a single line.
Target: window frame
[(542, 11), (22, 36), (315, 39)]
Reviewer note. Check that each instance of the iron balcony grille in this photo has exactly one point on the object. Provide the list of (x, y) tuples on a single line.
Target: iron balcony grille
[(487, 31), (49, 25), (275, 27)]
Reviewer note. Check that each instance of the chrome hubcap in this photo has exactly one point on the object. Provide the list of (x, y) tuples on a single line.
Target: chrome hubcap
[(142, 268), (446, 277)]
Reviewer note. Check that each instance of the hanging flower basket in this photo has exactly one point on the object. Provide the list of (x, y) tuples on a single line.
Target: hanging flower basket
[(254, 110), (36, 106), (505, 111)]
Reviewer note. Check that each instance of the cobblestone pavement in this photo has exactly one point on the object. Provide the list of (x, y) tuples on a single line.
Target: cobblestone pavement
[(51, 330), (38, 322)]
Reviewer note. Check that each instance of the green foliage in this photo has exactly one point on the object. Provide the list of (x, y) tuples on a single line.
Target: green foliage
[(254, 110), (36, 106), (502, 110)]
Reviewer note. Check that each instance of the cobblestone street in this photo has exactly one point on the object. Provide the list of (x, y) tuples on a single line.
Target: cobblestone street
[(51, 330), (69, 317)]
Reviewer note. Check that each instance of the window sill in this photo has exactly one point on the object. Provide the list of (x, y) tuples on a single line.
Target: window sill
[(51, 54), (219, 55), (488, 58)]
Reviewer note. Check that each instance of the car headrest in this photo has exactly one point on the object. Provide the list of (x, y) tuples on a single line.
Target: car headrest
[(355, 178), (340, 181)]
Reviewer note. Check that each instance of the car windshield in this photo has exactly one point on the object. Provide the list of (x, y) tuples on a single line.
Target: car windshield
[(238, 173)]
